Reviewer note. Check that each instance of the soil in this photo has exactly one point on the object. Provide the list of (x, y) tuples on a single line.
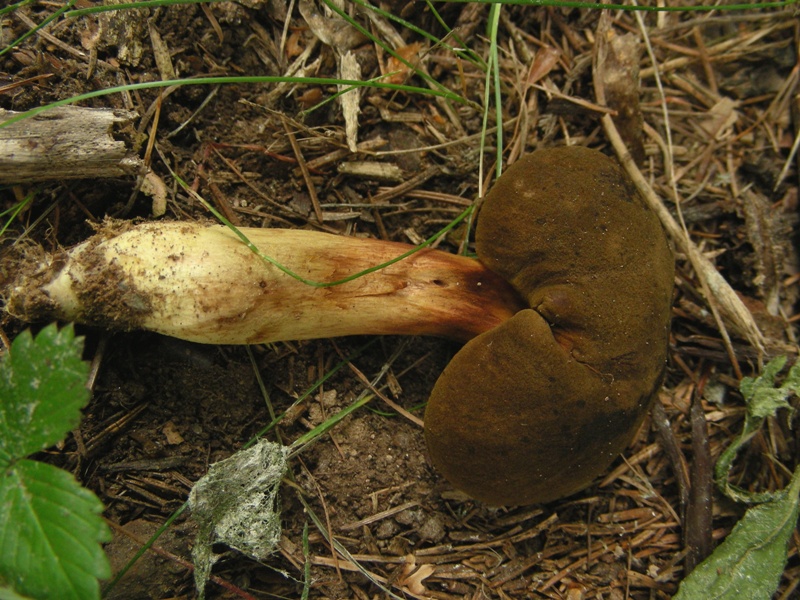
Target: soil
[(163, 410)]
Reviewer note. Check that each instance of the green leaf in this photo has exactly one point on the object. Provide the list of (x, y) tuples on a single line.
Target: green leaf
[(750, 386), (749, 563), (50, 531), (763, 400), (762, 397), (50, 528), (42, 389), (7, 593)]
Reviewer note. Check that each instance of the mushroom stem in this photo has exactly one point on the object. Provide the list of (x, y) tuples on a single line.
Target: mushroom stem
[(201, 283)]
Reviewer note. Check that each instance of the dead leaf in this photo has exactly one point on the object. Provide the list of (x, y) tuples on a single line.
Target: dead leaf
[(721, 118), (543, 63), (411, 577), (154, 186), (295, 44), (398, 69), (171, 433), (161, 54), (331, 29), (350, 69)]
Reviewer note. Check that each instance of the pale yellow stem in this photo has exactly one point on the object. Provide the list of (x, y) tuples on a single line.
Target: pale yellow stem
[(201, 283)]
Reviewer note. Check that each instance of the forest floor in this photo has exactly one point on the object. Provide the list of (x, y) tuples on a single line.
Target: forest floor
[(711, 126)]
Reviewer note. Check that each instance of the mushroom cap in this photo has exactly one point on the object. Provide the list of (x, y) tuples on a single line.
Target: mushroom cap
[(536, 408)]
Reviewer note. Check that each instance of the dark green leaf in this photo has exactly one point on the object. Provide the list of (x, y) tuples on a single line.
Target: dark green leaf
[(50, 533), (50, 528), (42, 389)]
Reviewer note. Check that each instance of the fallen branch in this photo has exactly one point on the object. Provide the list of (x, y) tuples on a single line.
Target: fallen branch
[(66, 142)]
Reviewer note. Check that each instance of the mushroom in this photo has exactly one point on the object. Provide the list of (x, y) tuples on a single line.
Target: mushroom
[(565, 314), (536, 408)]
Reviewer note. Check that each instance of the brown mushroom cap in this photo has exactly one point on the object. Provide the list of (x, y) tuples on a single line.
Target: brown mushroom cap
[(536, 408)]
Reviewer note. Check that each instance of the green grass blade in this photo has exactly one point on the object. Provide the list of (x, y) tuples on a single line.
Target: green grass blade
[(14, 211), (494, 24), (287, 271), (41, 25), (13, 7), (326, 425), (644, 8), (149, 85)]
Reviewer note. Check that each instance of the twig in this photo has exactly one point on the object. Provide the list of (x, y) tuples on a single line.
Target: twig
[(180, 561), (301, 162), (698, 514)]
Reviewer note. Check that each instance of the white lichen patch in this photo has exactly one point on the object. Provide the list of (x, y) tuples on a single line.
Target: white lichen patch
[(235, 504)]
